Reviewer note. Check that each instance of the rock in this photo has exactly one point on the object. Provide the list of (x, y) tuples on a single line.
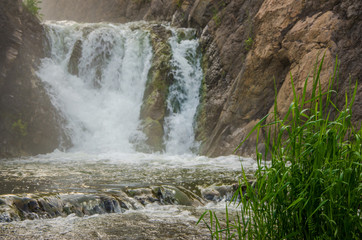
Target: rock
[(154, 105), (288, 36), (74, 58), (29, 124)]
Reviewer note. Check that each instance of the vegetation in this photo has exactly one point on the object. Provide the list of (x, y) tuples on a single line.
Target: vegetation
[(20, 127), (33, 7), (248, 43), (312, 187)]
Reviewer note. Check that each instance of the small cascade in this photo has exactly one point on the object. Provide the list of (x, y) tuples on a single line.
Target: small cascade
[(183, 96)]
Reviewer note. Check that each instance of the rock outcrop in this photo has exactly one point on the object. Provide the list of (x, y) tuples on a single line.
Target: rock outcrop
[(287, 37), (28, 121), (246, 45), (154, 105)]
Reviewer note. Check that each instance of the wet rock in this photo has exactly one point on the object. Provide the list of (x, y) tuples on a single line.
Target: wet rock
[(74, 58), (14, 208), (218, 193), (177, 196), (154, 105)]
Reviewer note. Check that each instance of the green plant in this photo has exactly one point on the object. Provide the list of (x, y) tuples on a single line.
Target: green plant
[(216, 17), (33, 7), (248, 43), (179, 3), (312, 187), (20, 127)]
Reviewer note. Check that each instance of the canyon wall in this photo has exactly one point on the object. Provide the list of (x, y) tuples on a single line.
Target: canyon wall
[(28, 122), (247, 45)]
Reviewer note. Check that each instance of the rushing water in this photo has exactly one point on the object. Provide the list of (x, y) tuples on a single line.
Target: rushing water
[(183, 97), (101, 188)]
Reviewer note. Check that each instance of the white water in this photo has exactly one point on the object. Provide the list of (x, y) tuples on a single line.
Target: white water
[(183, 96), (101, 105)]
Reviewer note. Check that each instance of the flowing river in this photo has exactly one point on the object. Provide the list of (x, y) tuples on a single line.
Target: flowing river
[(102, 187)]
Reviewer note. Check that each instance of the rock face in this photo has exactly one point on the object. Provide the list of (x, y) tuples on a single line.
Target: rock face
[(246, 45), (28, 122), (287, 36)]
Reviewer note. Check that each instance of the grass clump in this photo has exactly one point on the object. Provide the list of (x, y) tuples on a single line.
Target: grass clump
[(312, 187), (33, 7)]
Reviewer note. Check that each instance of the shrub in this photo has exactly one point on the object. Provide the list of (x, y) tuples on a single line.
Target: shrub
[(33, 7), (312, 187)]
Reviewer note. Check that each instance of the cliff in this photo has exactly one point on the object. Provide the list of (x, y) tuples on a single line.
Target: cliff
[(246, 44), (28, 121)]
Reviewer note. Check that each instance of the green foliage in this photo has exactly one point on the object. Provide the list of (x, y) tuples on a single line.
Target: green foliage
[(20, 127), (312, 187), (179, 3), (33, 7), (217, 12), (248, 43), (216, 17)]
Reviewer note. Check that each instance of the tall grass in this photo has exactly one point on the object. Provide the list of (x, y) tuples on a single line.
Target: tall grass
[(311, 188)]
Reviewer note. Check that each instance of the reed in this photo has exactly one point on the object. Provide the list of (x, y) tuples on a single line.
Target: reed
[(311, 187)]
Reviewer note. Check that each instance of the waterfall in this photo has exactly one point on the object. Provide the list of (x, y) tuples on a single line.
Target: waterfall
[(96, 76), (183, 96), (101, 102)]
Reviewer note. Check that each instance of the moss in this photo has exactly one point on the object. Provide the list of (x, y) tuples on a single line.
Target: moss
[(154, 106), (20, 128), (248, 43)]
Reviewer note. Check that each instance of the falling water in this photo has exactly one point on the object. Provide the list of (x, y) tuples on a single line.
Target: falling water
[(101, 102), (184, 93), (96, 76)]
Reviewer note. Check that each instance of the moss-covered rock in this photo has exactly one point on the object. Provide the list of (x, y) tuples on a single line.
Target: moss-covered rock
[(154, 105)]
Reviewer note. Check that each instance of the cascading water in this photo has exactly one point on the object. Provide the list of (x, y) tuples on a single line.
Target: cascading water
[(183, 94), (101, 105), (97, 74)]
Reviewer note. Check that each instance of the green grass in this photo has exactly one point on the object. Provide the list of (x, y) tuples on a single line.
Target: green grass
[(312, 186)]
